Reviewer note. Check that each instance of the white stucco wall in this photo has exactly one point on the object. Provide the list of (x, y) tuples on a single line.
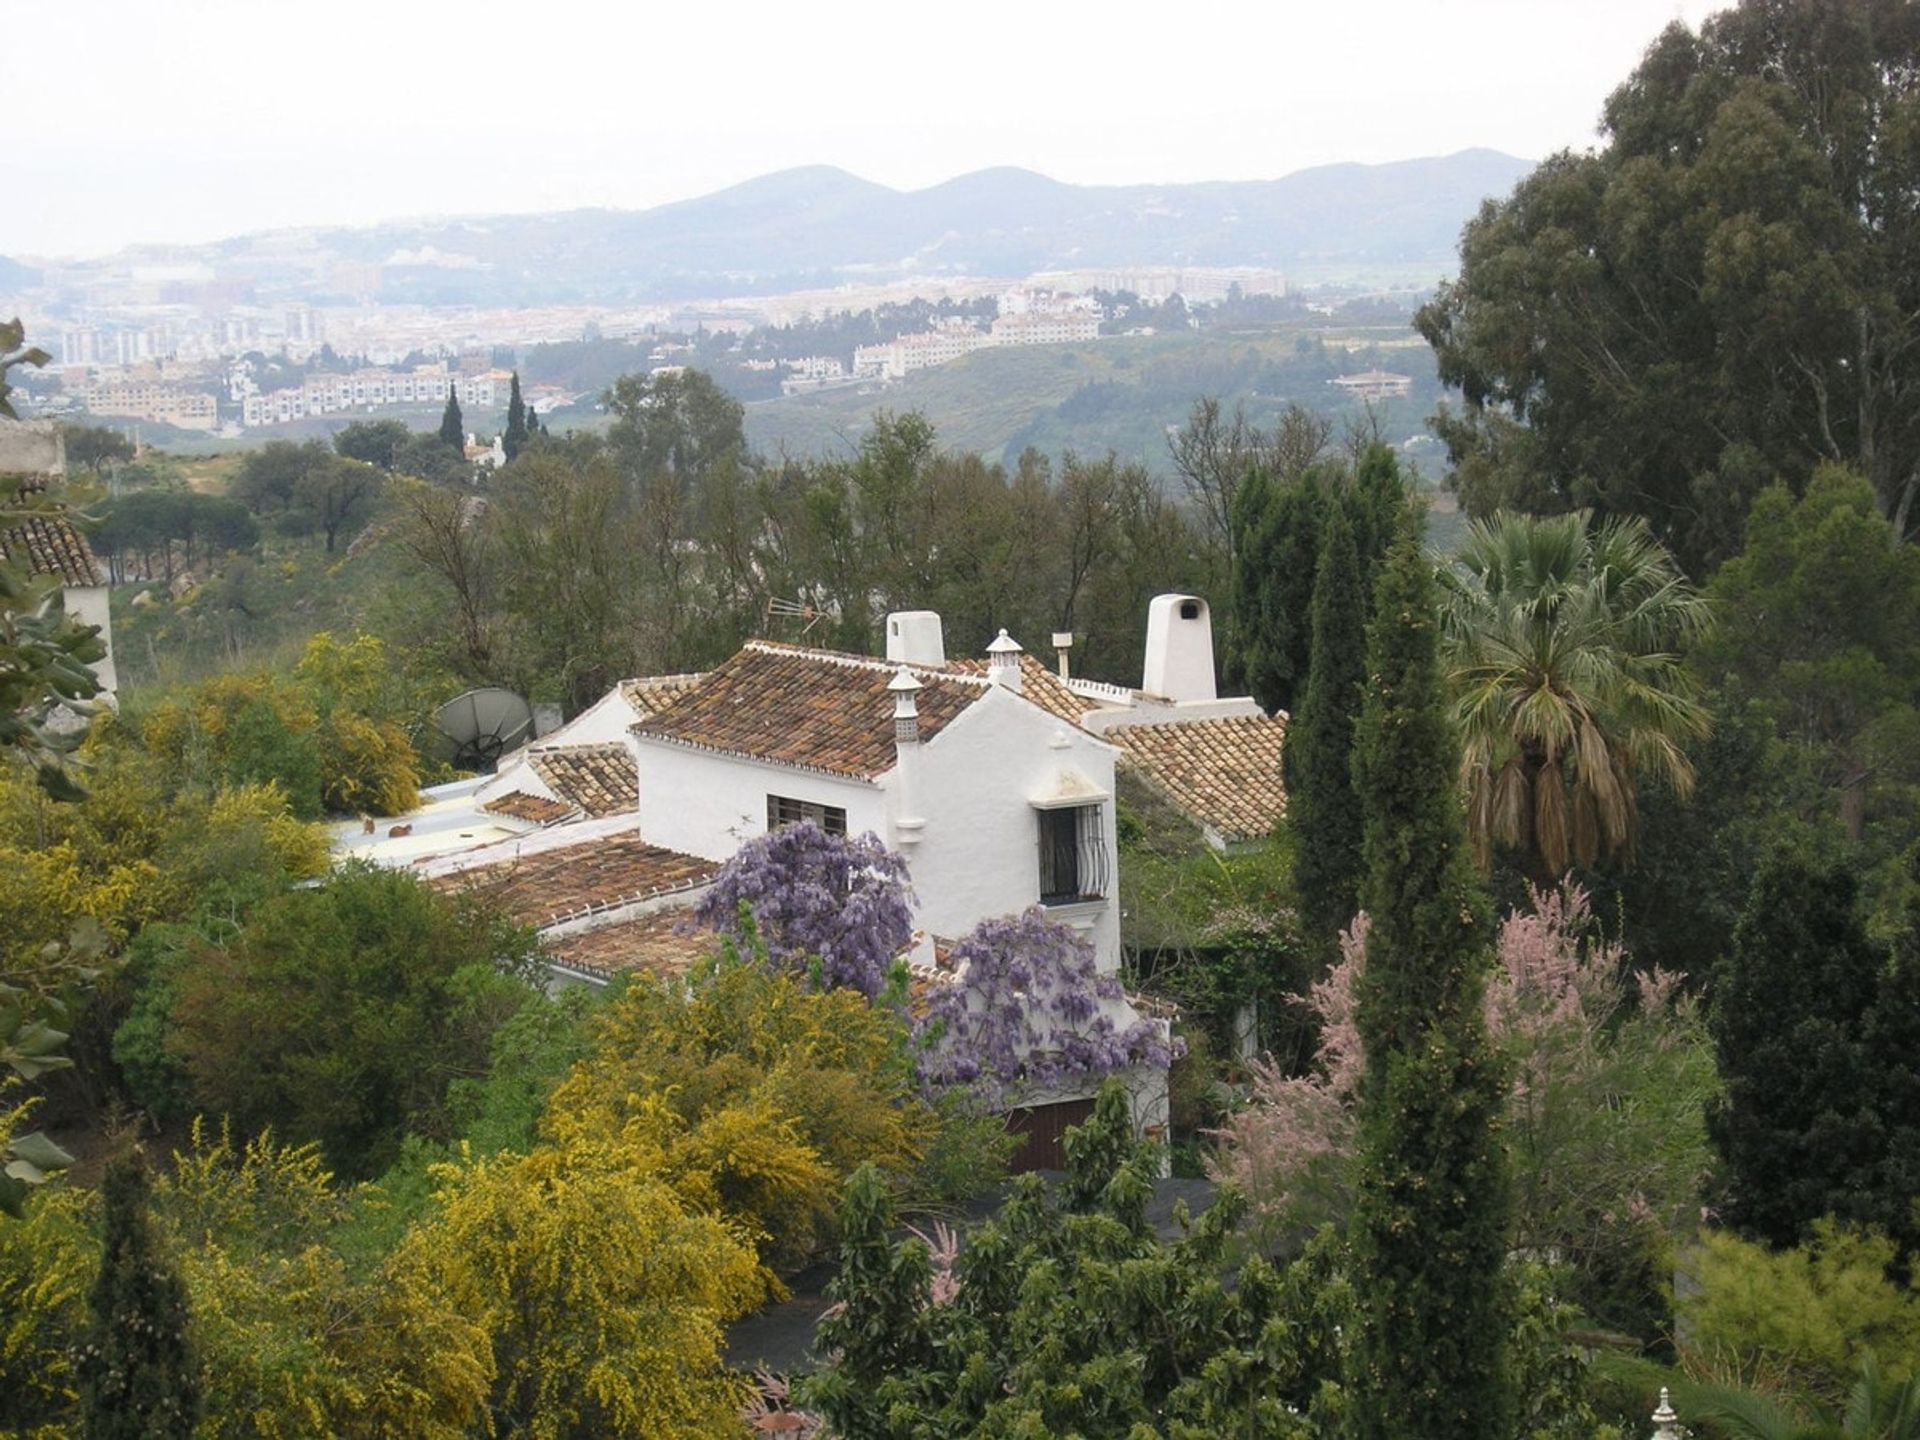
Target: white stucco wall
[(978, 856), (88, 604), (709, 804)]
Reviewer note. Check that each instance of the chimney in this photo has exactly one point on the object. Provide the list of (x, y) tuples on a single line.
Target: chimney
[(913, 638), (1179, 664), (907, 820), (1062, 643), (1003, 661)]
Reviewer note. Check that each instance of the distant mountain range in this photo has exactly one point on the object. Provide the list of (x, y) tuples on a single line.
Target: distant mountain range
[(821, 226)]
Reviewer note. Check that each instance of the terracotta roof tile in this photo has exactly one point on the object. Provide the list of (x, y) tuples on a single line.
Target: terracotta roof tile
[(598, 874), (600, 779), (49, 543), (663, 942), (519, 805), (1223, 774), (651, 694), (817, 709)]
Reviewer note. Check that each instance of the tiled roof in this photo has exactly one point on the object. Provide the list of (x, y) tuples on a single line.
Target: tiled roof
[(49, 543), (664, 942), (596, 874), (600, 779), (1223, 774), (519, 805), (1038, 684), (817, 709), (650, 694)]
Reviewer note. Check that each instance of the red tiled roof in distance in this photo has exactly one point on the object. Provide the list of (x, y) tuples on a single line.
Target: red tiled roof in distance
[(816, 709), (537, 809), (651, 694), (596, 874), (600, 779), (49, 543), (1223, 773), (662, 942)]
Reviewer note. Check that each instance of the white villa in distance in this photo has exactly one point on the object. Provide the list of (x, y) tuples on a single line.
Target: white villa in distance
[(994, 776)]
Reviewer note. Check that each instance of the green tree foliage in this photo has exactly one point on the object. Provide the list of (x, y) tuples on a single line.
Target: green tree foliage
[(1811, 1018), (514, 440), (14, 350), (427, 457), (1809, 1314), (269, 477), (1066, 1314), (778, 1095), (332, 737), (674, 422), (96, 446), (1560, 643), (340, 1014), (1278, 524), (1722, 293), (139, 1375), (1429, 1229), (373, 442), (1323, 813), (1278, 528), (148, 534), (1822, 627), (453, 426)]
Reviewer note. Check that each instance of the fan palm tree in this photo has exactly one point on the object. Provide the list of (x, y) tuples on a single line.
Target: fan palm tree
[(1876, 1409), (1561, 641)]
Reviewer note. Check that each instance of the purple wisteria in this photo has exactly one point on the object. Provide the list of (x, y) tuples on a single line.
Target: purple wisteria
[(1027, 1011), (813, 896)]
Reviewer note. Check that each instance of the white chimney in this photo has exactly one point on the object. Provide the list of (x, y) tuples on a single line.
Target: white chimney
[(913, 638), (907, 820), (1062, 643), (1003, 662), (1179, 649)]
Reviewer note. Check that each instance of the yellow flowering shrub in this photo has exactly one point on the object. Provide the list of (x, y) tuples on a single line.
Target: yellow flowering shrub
[(293, 1344), (47, 1264), (778, 1094)]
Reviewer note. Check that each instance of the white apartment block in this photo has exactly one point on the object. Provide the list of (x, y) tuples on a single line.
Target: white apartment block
[(372, 389), (162, 404)]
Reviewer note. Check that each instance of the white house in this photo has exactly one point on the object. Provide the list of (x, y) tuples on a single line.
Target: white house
[(996, 779), (31, 454)]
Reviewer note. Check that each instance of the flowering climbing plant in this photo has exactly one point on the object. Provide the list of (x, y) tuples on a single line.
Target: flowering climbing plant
[(1026, 1010), (845, 903)]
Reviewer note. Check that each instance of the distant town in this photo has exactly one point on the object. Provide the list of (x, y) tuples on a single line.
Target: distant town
[(170, 346)]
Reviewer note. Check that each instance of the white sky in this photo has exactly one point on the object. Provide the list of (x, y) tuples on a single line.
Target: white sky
[(187, 120)]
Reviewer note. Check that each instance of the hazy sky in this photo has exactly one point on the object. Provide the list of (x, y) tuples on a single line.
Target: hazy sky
[(175, 120)]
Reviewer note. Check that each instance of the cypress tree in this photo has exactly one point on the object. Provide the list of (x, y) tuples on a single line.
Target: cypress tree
[(1792, 1004), (1429, 1226), (453, 426), (1323, 813), (1379, 498), (138, 1377), (514, 440), (1278, 541)]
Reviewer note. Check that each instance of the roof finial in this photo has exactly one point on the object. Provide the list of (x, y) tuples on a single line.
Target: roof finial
[(1666, 1422), (1003, 661)]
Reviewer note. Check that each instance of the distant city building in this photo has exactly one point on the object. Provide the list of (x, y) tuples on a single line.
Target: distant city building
[(371, 389), (1038, 321), (1374, 385), (812, 372), (1056, 326), (162, 404)]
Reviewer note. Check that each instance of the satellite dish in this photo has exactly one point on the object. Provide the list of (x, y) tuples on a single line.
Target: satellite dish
[(482, 725)]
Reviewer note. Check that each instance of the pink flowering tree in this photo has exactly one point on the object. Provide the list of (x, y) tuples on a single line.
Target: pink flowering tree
[(1026, 1010), (814, 898), (1610, 1072)]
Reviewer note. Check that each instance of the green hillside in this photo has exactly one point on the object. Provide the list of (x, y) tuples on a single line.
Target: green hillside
[(1122, 394)]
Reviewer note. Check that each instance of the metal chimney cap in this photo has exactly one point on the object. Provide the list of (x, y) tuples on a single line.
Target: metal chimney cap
[(904, 682)]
